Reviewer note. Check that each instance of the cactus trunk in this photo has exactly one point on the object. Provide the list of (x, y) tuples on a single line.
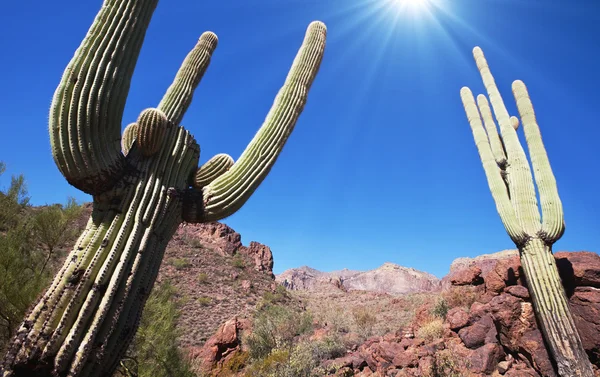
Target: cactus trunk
[(93, 306), (552, 309), (144, 185)]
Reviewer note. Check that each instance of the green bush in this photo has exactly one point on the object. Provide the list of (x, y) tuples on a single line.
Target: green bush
[(202, 277), (154, 351), (440, 309), (432, 330), (364, 321), (275, 326), (204, 301), (238, 262), (28, 241), (180, 263)]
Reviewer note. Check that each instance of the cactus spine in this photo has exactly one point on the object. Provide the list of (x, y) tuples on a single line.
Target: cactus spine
[(144, 184), (510, 180)]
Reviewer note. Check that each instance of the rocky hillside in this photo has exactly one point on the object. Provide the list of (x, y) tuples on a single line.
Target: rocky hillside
[(217, 276), (389, 278)]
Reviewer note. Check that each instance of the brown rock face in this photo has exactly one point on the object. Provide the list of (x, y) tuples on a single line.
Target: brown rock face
[(262, 256), (585, 306), (468, 276), (390, 278), (202, 261), (221, 346)]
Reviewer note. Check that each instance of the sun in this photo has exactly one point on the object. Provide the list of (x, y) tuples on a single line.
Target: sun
[(413, 7)]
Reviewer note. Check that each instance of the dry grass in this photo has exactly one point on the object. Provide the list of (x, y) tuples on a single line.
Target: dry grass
[(345, 311)]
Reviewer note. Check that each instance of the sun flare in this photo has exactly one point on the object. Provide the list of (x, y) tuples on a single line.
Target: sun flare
[(408, 6)]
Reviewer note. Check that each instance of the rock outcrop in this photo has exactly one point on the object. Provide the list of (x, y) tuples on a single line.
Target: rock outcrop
[(495, 335), (389, 278), (217, 275)]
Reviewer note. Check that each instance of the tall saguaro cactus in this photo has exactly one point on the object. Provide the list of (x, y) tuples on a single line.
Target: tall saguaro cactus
[(512, 185), (144, 184)]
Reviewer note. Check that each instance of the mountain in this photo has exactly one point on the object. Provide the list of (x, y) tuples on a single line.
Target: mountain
[(389, 278)]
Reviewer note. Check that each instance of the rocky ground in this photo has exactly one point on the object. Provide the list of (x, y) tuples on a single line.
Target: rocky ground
[(489, 328)]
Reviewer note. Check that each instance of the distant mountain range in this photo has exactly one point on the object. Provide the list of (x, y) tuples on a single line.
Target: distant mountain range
[(388, 278)]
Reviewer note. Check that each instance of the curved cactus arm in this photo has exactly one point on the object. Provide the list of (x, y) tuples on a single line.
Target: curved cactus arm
[(229, 192), (553, 225), (215, 167), (492, 131), (492, 170), (522, 190), (179, 95), (86, 111), (129, 135), (151, 129)]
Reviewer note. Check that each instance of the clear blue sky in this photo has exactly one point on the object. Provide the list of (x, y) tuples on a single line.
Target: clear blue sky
[(382, 165)]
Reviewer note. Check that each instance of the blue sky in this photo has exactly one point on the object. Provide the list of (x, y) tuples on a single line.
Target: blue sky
[(382, 165)]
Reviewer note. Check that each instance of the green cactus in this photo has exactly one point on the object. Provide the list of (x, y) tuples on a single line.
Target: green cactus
[(510, 180), (143, 187)]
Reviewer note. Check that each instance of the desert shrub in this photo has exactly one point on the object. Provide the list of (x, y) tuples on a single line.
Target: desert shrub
[(445, 364), (301, 359), (440, 309), (238, 262), (432, 330), (204, 301), (271, 365), (275, 326), (280, 296), (24, 251), (364, 321), (202, 277), (194, 242), (53, 226), (235, 364), (461, 297), (154, 350), (180, 263)]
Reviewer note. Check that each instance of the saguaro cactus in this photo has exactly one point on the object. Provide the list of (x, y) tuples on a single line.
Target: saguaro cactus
[(510, 180), (143, 185)]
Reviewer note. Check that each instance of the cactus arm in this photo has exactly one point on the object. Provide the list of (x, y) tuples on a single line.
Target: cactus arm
[(492, 132), (553, 225), (226, 194), (151, 127), (178, 97), (86, 111), (129, 135), (491, 168), (518, 172), (215, 167)]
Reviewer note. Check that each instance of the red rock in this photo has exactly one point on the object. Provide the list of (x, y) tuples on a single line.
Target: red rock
[(406, 359), (579, 268), (466, 276), (485, 359), (457, 318), (481, 332), (585, 306), (224, 342), (262, 256), (518, 291)]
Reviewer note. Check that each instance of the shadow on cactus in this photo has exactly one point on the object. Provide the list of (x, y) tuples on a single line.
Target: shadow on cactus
[(144, 184)]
